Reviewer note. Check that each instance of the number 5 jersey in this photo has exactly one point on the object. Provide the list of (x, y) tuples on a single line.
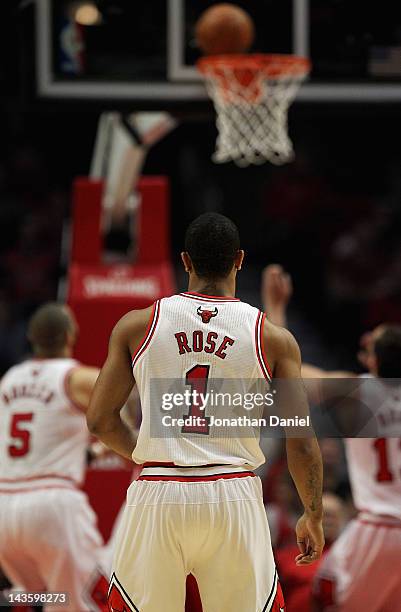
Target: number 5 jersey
[(44, 436)]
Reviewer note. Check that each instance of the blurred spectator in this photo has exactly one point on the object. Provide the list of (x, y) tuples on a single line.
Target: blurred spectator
[(296, 580), (283, 506), (31, 218), (31, 267), (334, 463), (366, 259), (279, 491), (12, 336)]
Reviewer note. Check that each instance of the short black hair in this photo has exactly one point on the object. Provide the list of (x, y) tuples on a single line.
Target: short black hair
[(388, 352), (212, 241), (48, 329)]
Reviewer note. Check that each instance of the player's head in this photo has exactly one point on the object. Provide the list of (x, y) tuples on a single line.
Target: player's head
[(52, 331), (212, 247), (387, 351)]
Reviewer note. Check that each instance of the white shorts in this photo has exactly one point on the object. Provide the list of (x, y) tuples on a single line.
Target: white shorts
[(49, 542), (214, 529), (362, 569)]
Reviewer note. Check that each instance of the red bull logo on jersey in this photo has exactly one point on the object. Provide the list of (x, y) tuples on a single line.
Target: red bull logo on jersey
[(206, 314)]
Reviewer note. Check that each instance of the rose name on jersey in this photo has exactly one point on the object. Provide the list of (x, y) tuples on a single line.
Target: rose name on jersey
[(197, 342)]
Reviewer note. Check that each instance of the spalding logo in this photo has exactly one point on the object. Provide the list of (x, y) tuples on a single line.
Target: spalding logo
[(206, 314)]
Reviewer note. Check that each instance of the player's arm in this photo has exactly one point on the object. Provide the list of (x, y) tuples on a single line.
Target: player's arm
[(303, 453), (114, 385), (313, 376), (276, 293), (80, 384), (311, 371)]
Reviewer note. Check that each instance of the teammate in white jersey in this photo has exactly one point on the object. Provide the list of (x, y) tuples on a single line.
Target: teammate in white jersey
[(49, 538), (197, 506), (361, 570)]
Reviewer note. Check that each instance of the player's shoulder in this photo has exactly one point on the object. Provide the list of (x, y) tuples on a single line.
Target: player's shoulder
[(279, 343), (18, 369), (278, 336), (133, 322), (10, 374)]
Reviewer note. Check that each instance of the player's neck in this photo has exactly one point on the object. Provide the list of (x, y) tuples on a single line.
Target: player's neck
[(65, 353), (224, 287)]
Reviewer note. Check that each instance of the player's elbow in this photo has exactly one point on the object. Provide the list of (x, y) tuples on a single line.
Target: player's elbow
[(92, 424), (303, 448), (95, 422)]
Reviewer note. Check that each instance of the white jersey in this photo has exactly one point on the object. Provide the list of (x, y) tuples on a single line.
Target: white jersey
[(44, 437), (374, 464), (196, 339)]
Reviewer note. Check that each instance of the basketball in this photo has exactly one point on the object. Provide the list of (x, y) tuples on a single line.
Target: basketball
[(224, 28)]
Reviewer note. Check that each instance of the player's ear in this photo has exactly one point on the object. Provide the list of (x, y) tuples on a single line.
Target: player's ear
[(70, 338), (71, 334), (239, 258), (372, 363), (186, 260)]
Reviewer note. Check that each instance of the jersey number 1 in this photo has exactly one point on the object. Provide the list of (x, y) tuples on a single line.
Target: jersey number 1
[(383, 474), (196, 378), (20, 434)]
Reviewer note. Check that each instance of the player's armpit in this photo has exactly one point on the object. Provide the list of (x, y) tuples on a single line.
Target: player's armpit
[(115, 383), (80, 384)]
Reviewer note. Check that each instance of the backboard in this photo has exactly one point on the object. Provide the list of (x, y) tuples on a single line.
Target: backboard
[(145, 52)]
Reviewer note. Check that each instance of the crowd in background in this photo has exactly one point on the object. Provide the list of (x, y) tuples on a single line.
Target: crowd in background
[(31, 216), (332, 218)]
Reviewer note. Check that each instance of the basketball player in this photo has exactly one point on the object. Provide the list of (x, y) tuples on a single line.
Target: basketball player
[(49, 539), (361, 570), (197, 506)]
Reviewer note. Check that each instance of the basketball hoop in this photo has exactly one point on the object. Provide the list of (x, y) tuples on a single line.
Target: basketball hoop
[(251, 95)]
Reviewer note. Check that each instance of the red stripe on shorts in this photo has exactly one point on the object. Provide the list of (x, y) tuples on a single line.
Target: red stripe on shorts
[(212, 477)]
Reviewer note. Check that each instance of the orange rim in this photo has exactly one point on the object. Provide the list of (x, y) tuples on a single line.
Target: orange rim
[(270, 65)]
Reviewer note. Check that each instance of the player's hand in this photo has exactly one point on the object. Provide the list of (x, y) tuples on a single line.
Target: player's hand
[(310, 539), (276, 287)]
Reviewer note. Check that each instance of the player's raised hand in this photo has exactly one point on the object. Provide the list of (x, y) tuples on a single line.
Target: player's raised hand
[(276, 292), (310, 539), (276, 285)]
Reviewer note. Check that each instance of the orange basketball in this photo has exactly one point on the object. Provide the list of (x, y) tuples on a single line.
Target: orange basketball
[(224, 28)]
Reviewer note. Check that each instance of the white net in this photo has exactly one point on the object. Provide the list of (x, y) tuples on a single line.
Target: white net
[(251, 95)]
